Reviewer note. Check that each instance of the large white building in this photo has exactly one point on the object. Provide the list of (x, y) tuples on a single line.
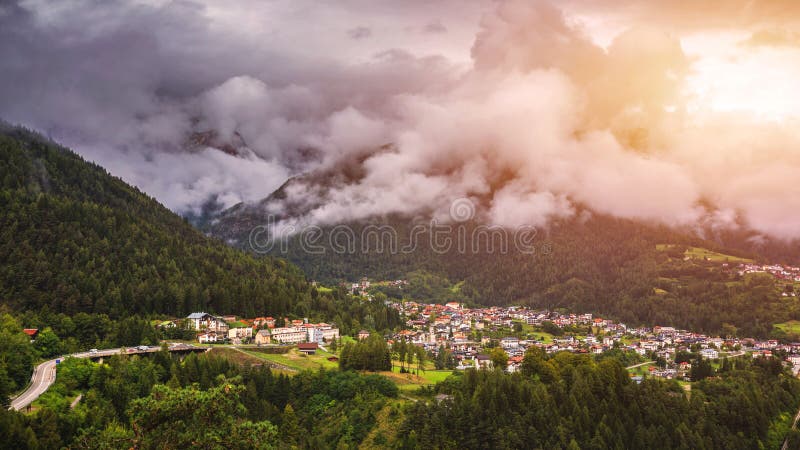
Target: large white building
[(207, 322), (289, 335)]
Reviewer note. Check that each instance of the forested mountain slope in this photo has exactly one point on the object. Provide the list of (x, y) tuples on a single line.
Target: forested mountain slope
[(73, 238), (589, 263)]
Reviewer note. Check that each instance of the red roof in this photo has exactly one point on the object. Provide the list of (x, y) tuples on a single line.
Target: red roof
[(31, 331), (308, 346)]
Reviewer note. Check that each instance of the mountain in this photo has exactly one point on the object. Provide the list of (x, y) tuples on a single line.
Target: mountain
[(591, 262), (73, 238)]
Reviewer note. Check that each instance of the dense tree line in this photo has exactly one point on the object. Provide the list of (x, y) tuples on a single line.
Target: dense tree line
[(594, 263), (201, 402), (570, 401), (370, 354), (563, 401)]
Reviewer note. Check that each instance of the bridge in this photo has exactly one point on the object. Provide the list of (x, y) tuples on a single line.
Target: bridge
[(44, 375)]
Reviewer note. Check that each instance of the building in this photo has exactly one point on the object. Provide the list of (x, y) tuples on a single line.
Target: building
[(263, 337), (206, 338), (289, 335), (363, 334), (329, 332), (207, 322), (309, 348), (31, 332), (483, 362), (240, 333), (321, 332), (709, 353)]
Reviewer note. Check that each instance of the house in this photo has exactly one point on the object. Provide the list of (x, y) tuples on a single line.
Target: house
[(263, 337), (31, 332), (363, 334), (205, 338), (240, 333), (514, 364), (509, 343), (483, 362), (309, 348), (268, 322), (207, 322), (709, 353)]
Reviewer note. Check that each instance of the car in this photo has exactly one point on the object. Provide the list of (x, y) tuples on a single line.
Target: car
[(143, 348), (93, 351)]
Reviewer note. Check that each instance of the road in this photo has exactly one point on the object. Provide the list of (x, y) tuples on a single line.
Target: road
[(785, 445), (44, 375), (640, 364)]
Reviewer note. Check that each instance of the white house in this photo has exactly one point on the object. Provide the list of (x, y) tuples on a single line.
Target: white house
[(240, 333), (205, 338), (709, 353), (207, 322)]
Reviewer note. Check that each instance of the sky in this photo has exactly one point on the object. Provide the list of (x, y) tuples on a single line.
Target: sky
[(682, 113)]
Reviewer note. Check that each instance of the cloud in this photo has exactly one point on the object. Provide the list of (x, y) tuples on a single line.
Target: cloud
[(515, 105), (773, 38), (434, 27), (358, 33)]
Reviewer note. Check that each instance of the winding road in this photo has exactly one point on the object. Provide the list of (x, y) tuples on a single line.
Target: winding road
[(44, 375)]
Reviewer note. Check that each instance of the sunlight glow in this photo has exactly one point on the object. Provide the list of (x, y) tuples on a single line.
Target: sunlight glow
[(764, 83)]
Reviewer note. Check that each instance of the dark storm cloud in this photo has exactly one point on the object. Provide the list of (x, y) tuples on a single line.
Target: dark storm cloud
[(127, 83), (515, 104), (435, 27), (359, 33)]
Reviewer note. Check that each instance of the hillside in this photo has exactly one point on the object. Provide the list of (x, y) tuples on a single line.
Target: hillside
[(73, 238), (591, 263)]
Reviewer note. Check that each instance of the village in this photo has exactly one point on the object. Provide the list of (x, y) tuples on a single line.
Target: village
[(514, 329), (469, 334)]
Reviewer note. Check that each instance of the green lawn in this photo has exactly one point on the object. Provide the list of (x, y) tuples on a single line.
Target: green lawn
[(790, 327), (702, 253), (536, 333), (410, 381), (405, 381), (641, 370), (299, 361)]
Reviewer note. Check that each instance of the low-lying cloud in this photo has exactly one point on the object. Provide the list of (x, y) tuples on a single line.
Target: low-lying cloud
[(515, 105)]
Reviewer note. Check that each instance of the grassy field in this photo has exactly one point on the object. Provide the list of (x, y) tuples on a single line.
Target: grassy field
[(790, 327), (409, 381), (641, 370), (298, 361), (702, 253), (537, 334), (294, 361)]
